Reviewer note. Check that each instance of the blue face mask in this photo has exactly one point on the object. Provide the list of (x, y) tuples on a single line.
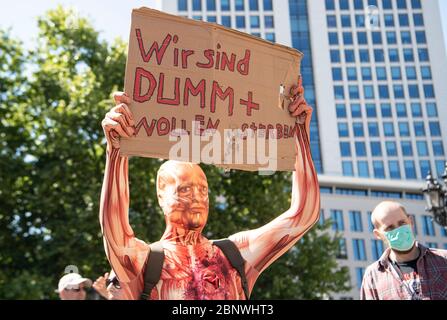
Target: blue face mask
[(401, 239)]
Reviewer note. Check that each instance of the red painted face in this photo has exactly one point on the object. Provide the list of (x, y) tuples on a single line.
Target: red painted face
[(183, 195)]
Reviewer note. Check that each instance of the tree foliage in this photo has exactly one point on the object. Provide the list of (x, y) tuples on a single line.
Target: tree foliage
[(52, 101)]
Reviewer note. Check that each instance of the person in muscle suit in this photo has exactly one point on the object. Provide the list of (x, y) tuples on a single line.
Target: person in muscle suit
[(194, 268)]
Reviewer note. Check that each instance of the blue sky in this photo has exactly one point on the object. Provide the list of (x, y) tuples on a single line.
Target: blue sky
[(111, 17)]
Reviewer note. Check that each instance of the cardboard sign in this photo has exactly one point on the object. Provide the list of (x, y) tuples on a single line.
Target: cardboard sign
[(193, 83)]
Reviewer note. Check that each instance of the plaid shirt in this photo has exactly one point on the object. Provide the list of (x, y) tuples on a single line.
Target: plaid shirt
[(383, 282)]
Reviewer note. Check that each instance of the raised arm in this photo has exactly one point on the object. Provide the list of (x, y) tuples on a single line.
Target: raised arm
[(126, 254), (262, 246)]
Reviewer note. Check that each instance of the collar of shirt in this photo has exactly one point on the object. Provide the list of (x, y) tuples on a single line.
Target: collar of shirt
[(384, 262)]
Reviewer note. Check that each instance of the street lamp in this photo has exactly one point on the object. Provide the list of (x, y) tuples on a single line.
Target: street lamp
[(436, 196)]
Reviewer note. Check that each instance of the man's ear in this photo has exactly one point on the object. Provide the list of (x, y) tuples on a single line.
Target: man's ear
[(377, 234)]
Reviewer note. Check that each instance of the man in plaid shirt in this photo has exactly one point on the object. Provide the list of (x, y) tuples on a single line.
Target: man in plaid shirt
[(407, 270)]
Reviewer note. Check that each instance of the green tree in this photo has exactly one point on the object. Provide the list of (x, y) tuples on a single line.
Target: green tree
[(52, 101)]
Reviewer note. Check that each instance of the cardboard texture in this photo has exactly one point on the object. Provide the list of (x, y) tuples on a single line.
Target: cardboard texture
[(180, 70)]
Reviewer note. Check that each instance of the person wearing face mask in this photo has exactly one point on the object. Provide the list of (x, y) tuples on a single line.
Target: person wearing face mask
[(191, 267), (407, 270)]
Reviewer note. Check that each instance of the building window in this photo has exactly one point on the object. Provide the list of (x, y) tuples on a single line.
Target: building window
[(254, 22), (337, 220), (211, 5), (254, 5), (268, 5), (428, 226), (197, 5), (373, 129), (358, 129), (381, 73), (346, 20), (359, 249), (366, 73), (395, 73), (388, 129), (335, 56), (391, 37), (435, 129), (343, 130), (419, 129), (358, 4), (429, 91), (432, 245), (394, 55), (333, 38), (391, 149), (379, 55), (348, 170), (407, 149), (410, 169), (423, 55), (376, 149), (322, 220), (377, 249), (240, 22), (347, 38), (226, 21), (418, 19), (211, 18), (341, 110), (345, 148), (352, 74), (239, 5), (440, 167), (432, 110), (416, 110), (404, 129), (268, 21), (394, 169), (408, 55), (182, 5), (360, 20), (344, 5), (377, 38), (386, 194), (401, 110), (363, 169), (402, 4), (369, 92), (422, 147), (330, 5), (412, 216), (339, 93), (399, 92), (270, 36), (370, 224), (343, 249), (438, 148), (426, 73), (355, 218), (384, 93), (360, 149), (337, 74), (389, 20), (362, 38), (371, 111), (225, 5), (425, 167), (354, 92), (349, 56), (360, 272), (421, 37), (379, 170)]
